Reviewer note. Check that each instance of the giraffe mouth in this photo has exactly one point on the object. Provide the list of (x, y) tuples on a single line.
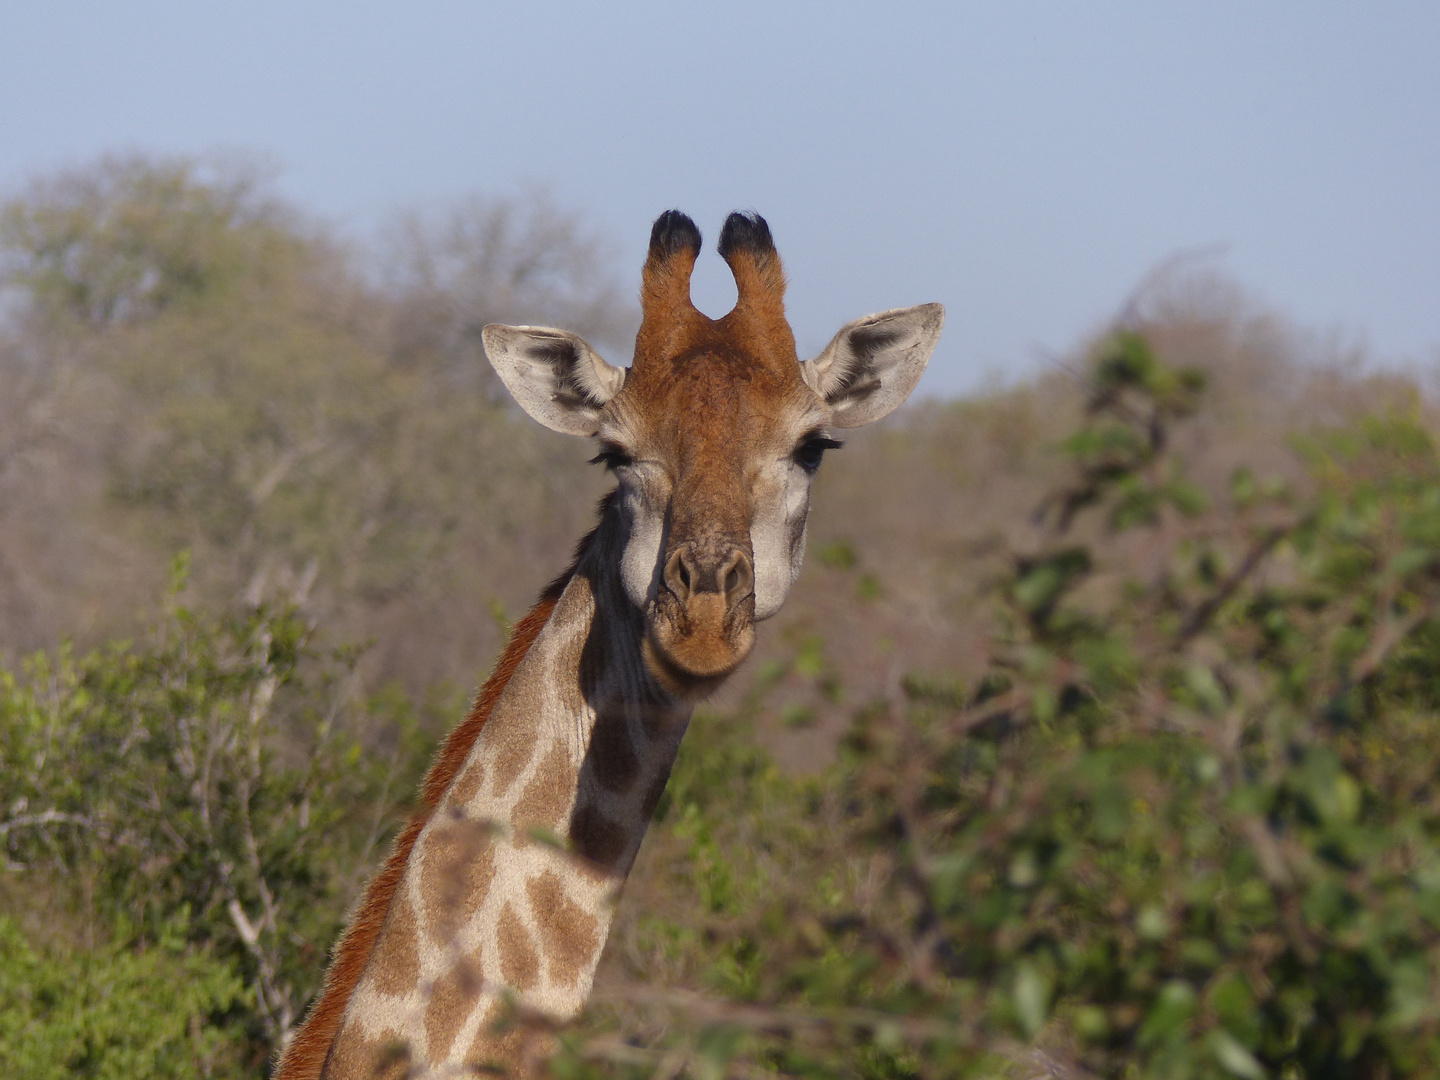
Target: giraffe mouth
[(693, 645)]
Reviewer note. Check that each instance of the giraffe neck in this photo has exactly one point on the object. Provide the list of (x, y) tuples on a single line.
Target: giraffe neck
[(510, 887)]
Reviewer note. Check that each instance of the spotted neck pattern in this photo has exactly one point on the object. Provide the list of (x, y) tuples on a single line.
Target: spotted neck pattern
[(509, 890)]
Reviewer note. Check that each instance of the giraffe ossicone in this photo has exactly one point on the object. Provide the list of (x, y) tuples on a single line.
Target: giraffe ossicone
[(496, 900)]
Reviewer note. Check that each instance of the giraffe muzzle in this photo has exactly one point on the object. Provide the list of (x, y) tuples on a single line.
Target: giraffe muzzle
[(703, 624)]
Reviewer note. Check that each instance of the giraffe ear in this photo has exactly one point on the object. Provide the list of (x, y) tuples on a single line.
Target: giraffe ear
[(553, 375), (872, 364)]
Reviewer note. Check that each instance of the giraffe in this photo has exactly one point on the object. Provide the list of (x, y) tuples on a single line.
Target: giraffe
[(498, 895)]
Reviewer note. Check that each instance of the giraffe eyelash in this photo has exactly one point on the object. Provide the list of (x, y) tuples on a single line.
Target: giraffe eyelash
[(812, 449), (612, 457)]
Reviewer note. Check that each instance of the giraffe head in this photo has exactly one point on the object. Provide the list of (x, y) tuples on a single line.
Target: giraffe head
[(714, 434)]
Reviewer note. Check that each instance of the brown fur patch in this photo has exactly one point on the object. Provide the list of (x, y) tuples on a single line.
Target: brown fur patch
[(570, 934), (451, 998), (397, 957), (359, 1058), (510, 1052), (513, 748), (519, 966), (459, 866), (467, 785), (546, 798), (305, 1057)]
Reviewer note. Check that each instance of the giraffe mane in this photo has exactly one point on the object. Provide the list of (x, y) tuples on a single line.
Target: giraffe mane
[(305, 1057)]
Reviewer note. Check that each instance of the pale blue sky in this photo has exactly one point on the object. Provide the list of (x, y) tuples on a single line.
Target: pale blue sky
[(1022, 162)]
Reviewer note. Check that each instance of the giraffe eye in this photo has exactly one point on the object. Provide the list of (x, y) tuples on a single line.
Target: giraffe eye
[(809, 452), (612, 457)]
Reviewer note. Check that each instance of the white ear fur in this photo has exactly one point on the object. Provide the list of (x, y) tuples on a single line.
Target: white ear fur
[(872, 364), (553, 375)]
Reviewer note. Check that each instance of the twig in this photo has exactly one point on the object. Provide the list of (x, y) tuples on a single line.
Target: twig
[(1387, 636), (1202, 615), (48, 817), (987, 710)]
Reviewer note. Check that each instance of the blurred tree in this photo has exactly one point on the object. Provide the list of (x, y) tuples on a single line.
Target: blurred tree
[(1184, 825), (236, 386), (1156, 801), (131, 236), (521, 260)]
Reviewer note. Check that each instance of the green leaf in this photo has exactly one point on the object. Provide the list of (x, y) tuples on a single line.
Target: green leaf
[(1333, 792), (1233, 1057), (716, 1046), (1152, 923), (1090, 1023), (1209, 694), (1169, 1014), (1412, 1000), (1031, 996)]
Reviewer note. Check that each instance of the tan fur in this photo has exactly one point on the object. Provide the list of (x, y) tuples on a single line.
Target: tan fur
[(503, 885), (305, 1056)]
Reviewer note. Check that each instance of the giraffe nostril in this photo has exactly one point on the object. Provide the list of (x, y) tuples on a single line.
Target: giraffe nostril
[(688, 574), (680, 575), (739, 578)]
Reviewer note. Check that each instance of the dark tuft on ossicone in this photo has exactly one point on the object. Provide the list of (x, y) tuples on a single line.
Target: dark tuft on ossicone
[(745, 232), (674, 232)]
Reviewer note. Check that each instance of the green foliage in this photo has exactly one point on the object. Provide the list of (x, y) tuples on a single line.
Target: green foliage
[(132, 237), (1180, 822), (155, 1009), (190, 364), (1184, 826), (203, 803)]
